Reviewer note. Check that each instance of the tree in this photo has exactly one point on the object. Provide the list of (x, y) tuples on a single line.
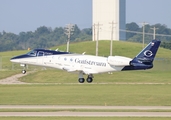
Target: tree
[(131, 27)]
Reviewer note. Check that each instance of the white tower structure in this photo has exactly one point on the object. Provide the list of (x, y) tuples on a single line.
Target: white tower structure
[(109, 19)]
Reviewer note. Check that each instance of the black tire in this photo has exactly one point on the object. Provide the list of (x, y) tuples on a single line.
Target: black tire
[(81, 80), (89, 80), (24, 71)]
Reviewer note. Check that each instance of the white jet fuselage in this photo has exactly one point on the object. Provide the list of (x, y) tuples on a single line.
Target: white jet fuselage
[(89, 64), (77, 62)]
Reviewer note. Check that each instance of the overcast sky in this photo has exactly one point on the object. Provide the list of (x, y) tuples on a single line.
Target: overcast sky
[(27, 15)]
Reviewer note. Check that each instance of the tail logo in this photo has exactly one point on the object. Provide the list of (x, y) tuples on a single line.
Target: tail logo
[(148, 53)]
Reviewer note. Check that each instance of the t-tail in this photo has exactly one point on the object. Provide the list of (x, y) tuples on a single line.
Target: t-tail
[(144, 60)]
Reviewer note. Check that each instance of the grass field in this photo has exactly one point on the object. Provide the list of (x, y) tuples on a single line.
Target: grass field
[(86, 94), (151, 87), (52, 76), (131, 88)]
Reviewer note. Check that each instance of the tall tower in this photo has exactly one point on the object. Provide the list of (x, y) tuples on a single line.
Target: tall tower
[(109, 18)]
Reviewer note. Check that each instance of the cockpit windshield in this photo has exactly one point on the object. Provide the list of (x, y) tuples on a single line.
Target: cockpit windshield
[(32, 53), (43, 52)]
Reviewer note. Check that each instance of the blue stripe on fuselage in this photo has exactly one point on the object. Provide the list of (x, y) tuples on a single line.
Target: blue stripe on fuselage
[(52, 52), (22, 56)]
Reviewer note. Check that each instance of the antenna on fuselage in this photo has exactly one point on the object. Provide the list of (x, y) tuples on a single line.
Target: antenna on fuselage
[(83, 53)]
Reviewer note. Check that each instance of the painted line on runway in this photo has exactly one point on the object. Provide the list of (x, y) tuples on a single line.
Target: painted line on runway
[(86, 114), (85, 107)]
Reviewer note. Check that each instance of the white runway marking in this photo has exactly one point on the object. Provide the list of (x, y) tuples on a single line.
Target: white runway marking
[(85, 107), (86, 114)]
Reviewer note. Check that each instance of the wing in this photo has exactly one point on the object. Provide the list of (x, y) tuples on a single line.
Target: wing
[(85, 71)]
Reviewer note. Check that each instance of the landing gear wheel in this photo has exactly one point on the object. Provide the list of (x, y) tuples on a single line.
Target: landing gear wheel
[(81, 80), (24, 71), (89, 80)]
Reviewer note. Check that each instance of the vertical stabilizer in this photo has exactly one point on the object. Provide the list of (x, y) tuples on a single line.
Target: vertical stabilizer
[(144, 60)]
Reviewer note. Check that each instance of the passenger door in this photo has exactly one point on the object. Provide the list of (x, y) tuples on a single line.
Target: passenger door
[(40, 57)]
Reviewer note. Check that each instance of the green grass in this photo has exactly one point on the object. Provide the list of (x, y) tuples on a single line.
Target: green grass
[(91, 94), (84, 118), (86, 94), (52, 76), (7, 73)]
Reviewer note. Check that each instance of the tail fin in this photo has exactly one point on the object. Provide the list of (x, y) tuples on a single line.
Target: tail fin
[(144, 60), (147, 55)]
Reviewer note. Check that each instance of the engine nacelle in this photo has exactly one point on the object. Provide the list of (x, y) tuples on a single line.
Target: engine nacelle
[(119, 60)]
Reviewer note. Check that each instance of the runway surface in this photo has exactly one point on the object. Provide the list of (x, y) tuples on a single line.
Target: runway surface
[(86, 114), (85, 107)]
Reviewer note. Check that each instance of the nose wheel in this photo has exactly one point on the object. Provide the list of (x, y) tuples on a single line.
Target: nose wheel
[(23, 71)]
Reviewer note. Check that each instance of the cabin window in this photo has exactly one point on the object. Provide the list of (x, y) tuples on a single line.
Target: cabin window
[(32, 53), (40, 53), (48, 53)]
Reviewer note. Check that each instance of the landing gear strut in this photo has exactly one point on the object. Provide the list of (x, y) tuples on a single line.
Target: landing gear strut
[(24, 67), (81, 78)]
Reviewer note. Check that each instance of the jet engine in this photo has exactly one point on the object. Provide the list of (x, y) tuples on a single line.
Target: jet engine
[(118, 61)]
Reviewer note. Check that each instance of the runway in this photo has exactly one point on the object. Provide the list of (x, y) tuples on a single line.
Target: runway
[(85, 114), (85, 107)]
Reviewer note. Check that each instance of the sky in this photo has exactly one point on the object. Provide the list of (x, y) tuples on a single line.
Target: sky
[(27, 15)]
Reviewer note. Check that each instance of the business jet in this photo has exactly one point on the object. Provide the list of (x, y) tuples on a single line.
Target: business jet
[(88, 64)]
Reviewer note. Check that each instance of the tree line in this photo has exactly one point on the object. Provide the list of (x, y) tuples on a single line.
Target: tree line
[(46, 37), (43, 37), (162, 32)]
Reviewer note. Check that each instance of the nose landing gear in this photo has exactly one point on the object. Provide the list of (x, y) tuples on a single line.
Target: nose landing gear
[(24, 67)]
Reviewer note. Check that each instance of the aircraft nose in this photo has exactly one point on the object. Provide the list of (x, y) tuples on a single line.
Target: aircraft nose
[(17, 59), (14, 59)]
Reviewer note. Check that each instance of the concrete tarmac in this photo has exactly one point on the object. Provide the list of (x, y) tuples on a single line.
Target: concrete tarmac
[(85, 114), (85, 107)]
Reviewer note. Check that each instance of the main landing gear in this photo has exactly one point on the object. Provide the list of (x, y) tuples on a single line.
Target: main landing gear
[(82, 80)]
